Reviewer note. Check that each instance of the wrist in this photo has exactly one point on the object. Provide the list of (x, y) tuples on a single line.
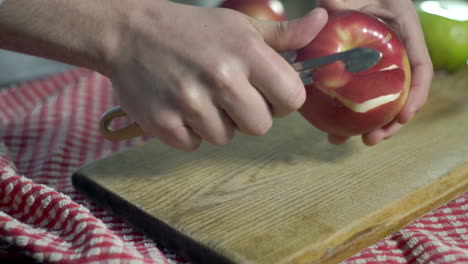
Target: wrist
[(130, 23), (79, 33)]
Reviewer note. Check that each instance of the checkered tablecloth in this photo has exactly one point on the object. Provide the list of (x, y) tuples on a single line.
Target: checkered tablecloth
[(49, 128)]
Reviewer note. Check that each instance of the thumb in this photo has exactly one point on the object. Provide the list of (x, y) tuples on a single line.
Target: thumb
[(292, 35)]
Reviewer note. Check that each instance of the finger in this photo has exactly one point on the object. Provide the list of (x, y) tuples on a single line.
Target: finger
[(270, 73), (422, 73), (196, 107), (392, 129), (292, 35), (213, 125), (337, 140), (246, 107), (419, 91), (374, 137), (276, 80), (170, 129), (410, 32)]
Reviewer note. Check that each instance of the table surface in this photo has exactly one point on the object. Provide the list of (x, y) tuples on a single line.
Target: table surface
[(49, 128), (289, 196)]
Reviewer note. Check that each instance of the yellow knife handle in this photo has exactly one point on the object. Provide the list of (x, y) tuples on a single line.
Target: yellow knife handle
[(131, 131)]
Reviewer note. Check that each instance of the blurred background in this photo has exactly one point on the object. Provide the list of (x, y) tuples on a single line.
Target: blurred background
[(15, 67), (294, 8), (447, 39)]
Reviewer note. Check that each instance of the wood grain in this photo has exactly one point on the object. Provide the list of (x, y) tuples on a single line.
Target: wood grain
[(290, 196)]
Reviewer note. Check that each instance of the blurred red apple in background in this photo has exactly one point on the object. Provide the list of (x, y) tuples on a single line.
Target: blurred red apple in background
[(347, 104), (272, 10)]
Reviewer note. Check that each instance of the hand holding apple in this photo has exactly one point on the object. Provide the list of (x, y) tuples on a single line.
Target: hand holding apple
[(401, 16), (346, 104)]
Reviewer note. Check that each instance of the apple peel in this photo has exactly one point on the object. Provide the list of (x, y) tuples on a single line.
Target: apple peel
[(365, 92)]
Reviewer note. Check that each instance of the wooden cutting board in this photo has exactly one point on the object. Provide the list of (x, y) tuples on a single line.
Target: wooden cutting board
[(289, 197)]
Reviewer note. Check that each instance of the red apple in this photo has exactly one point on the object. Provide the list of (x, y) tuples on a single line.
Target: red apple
[(272, 10), (347, 104)]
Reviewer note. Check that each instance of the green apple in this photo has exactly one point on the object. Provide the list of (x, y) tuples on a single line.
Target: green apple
[(445, 26)]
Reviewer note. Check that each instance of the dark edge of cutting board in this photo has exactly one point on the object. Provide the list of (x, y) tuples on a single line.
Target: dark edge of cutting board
[(162, 233)]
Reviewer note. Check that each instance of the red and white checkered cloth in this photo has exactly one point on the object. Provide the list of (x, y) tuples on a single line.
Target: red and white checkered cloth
[(49, 128)]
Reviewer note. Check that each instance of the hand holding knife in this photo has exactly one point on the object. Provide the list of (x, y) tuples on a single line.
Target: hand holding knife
[(355, 60)]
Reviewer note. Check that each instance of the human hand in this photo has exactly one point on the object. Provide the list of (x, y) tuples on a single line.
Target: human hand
[(187, 74), (402, 17)]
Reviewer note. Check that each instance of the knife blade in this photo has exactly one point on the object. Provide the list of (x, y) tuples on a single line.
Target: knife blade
[(355, 60)]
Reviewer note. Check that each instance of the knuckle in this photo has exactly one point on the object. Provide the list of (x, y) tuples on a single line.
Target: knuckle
[(281, 28), (252, 41), (168, 127), (151, 121), (222, 78), (274, 32), (189, 100), (176, 136), (221, 75), (252, 45), (165, 125)]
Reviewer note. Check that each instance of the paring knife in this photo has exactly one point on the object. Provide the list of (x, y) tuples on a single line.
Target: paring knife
[(355, 60)]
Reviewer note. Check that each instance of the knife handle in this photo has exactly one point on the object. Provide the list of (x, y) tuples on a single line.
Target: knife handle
[(131, 131)]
